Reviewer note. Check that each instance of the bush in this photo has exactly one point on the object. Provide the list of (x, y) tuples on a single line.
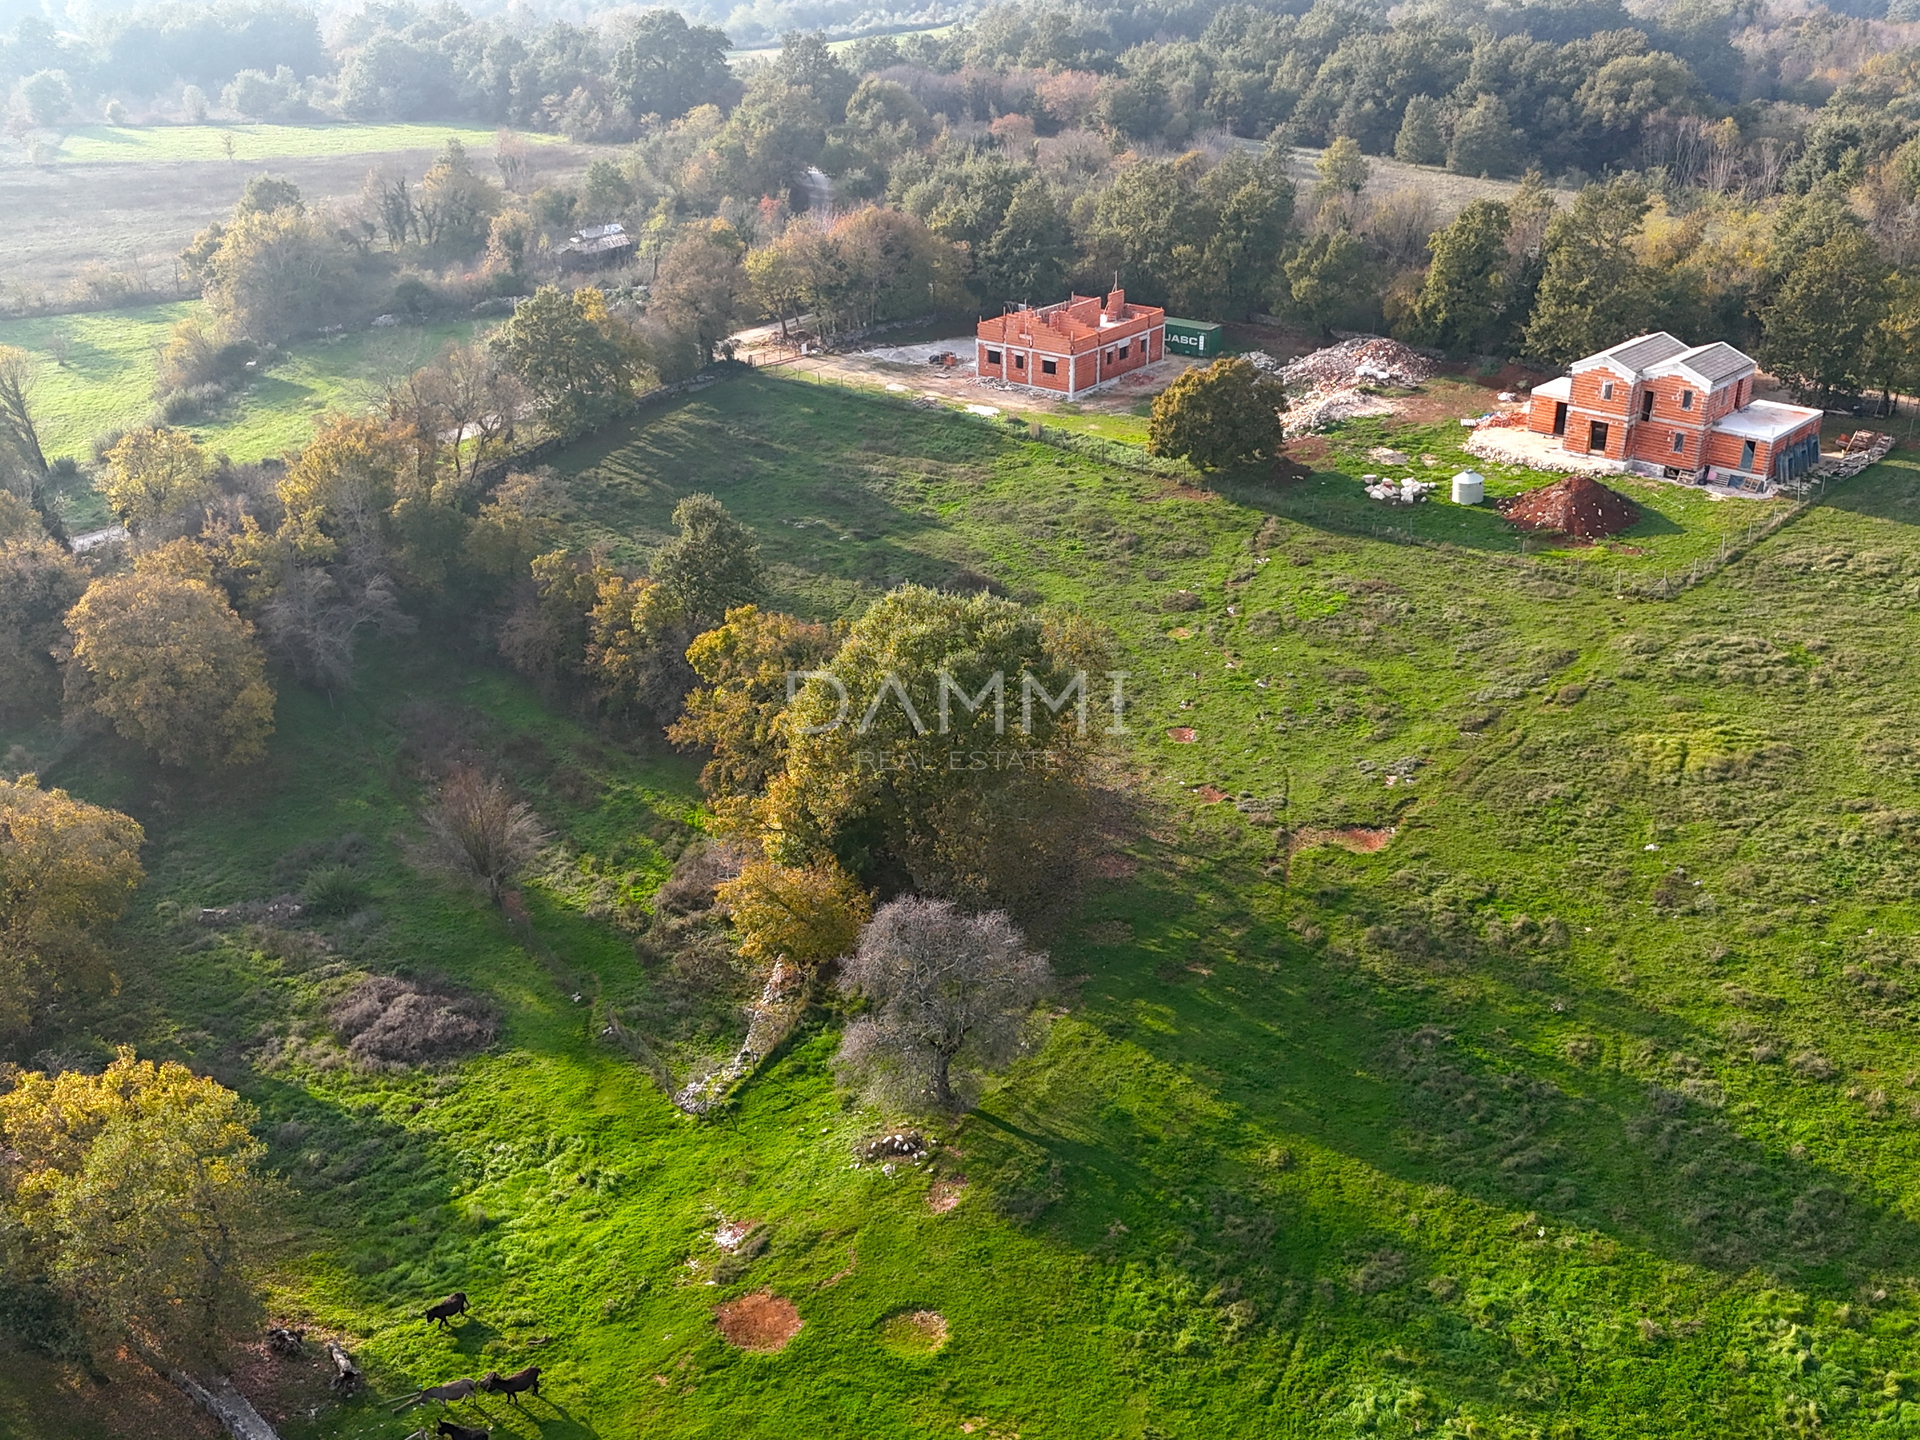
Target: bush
[(414, 298), (481, 831), (388, 1023), (193, 403), (335, 890)]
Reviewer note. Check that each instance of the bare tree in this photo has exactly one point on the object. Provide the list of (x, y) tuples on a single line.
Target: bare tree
[(482, 831), (944, 988), (17, 428), (313, 618)]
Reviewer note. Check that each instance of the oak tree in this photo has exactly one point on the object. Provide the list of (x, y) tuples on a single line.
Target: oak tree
[(948, 996), (140, 1195), (170, 665), (1225, 413), (67, 871)]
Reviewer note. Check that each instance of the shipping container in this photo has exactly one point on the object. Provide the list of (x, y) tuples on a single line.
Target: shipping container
[(1195, 339)]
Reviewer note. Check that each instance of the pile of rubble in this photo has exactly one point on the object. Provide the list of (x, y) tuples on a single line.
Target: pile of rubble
[(1397, 492), (907, 1143), (1333, 384), (1363, 361)]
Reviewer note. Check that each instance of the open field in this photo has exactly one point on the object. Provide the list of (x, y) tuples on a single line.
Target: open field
[(112, 359), (134, 215), (1491, 1015), (1450, 193), (772, 52), (135, 144)]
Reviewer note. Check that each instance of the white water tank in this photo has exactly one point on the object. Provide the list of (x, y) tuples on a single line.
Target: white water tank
[(1469, 488)]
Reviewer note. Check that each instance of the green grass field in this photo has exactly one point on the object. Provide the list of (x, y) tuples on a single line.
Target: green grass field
[(141, 144), (112, 358), (1584, 1104)]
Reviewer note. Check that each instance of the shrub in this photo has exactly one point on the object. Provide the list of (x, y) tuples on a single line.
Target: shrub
[(388, 1023), (482, 831), (335, 890)]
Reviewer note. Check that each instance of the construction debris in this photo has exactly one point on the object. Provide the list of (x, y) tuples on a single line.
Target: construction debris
[(1397, 492), (1579, 506), (1364, 361), (1857, 451), (1334, 383)]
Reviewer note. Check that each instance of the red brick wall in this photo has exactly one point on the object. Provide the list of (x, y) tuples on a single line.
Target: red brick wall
[(1144, 340), (1540, 415), (1723, 452), (1653, 443), (1587, 387), (1578, 433)]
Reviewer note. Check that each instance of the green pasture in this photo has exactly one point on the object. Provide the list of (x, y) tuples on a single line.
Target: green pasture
[(142, 144), (111, 359), (1584, 1105)]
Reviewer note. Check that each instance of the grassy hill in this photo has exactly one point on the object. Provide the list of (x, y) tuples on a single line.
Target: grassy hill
[(1496, 1020)]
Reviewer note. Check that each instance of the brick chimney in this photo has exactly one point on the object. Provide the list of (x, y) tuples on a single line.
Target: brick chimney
[(1116, 304)]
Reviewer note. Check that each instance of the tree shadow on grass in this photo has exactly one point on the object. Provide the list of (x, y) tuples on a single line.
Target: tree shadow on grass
[(1888, 491), (1294, 1041)]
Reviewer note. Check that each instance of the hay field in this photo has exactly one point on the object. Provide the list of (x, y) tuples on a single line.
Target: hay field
[(69, 220)]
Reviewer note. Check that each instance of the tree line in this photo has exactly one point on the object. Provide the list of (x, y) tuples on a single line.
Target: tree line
[(1710, 93)]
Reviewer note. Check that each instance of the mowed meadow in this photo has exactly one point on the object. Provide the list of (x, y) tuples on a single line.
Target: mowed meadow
[(1488, 1001)]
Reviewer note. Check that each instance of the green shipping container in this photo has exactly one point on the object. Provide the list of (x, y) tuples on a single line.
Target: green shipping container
[(1195, 338)]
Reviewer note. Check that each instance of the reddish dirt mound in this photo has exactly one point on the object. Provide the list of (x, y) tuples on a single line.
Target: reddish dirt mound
[(1360, 839), (1578, 505), (1182, 735), (762, 1321)]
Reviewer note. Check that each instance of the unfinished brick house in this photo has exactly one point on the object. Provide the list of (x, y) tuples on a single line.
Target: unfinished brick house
[(1659, 405), (1073, 346)]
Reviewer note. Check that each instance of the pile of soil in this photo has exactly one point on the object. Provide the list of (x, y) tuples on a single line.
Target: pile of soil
[(762, 1321), (1578, 505)]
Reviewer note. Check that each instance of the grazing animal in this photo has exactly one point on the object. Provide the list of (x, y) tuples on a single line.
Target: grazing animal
[(451, 1431), (454, 1304), (446, 1394), (511, 1386), (287, 1344), (346, 1374)]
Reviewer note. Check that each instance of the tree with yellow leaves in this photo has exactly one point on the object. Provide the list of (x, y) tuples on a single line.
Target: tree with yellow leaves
[(735, 712), (340, 489), (155, 477), (166, 660), (805, 915), (138, 1196), (39, 582), (67, 871)]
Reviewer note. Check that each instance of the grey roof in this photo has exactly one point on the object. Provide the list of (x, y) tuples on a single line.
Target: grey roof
[(598, 245), (1713, 363), (1644, 350)]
